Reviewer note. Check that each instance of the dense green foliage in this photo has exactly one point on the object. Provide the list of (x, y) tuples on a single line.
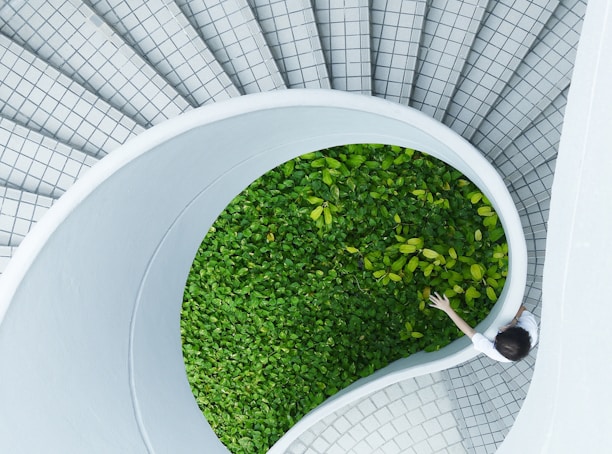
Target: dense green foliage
[(318, 274)]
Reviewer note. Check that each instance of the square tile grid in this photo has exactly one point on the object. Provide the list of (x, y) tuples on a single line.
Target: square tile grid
[(508, 30), (344, 31), (36, 163), (448, 34), (396, 28), (73, 39), (536, 145), (161, 33), (542, 75), (231, 32), (291, 32), (414, 415), (41, 98), (19, 210)]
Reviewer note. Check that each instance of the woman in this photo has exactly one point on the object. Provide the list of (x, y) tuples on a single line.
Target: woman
[(513, 341)]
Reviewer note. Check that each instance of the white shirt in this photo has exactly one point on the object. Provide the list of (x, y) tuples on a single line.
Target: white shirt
[(527, 321)]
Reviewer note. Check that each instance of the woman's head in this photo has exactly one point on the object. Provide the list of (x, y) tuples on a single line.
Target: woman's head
[(513, 343)]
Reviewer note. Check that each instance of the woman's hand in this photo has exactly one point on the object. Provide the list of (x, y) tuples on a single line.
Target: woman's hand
[(440, 302)]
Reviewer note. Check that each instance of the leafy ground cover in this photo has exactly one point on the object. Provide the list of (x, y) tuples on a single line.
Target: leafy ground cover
[(318, 274)]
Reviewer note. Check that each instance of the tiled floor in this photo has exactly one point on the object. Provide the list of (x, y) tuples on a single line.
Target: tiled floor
[(414, 416)]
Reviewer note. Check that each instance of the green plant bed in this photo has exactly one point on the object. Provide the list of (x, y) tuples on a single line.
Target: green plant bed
[(318, 274)]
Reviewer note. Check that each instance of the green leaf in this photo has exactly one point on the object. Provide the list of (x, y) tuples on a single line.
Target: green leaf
[(407, 248), (413, 263), (452, 253), (394, 277), (416, 334), (397, 219), (430, 253), (327, 177), (399, 263), (478, 235), (316, 213), (476, 272), (352, 249), (314, 200), (318, 163), (327, 215), (491, 294), (475, 198), (380, 273), (485, 211), (333, 163)]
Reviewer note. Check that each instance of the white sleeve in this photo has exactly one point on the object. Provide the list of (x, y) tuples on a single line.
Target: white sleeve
[(528, 322), (484, 345)]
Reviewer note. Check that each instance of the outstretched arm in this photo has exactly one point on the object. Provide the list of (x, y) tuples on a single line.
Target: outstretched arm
[(442, 303), (515, 319)]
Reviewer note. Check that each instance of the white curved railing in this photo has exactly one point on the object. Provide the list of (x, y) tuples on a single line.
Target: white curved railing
[(89, 308)]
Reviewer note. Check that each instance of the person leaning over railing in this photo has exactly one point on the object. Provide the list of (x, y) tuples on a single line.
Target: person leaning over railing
[(513, 341)]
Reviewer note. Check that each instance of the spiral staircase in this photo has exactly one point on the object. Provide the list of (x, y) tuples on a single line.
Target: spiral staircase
[(80, 78)]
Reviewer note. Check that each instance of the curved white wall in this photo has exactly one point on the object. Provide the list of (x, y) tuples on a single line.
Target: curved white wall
[(89, 339), (568, 406)]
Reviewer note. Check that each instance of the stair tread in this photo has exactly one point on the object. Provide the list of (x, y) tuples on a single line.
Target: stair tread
[(33, 162), (396, 28), (291, 32), (536, 145), (508, 30), (231, 32), (161, 33), (448, 34), (19, 211), (528, 93), (87, 50), (56, 105), (345, 38)]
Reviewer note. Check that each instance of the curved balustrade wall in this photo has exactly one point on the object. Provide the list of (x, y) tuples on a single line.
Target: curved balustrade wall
[(89, 340)]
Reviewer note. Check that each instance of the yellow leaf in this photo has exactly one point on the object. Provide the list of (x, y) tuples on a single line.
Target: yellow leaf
[(379, 273), (328, 216), (407, 248), (416, 334), (430, 253), (316, 213), (452, 253), (352, 249), (478, 235), (476, 271), (397, 219), (270, 237), (394, 277)]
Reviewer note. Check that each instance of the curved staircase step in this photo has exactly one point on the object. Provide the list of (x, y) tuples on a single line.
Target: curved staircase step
[(345, 38), (83, 47), (529, 93), (231, 32), (160, 32), (536, 145), (19, 211), (448, 35), (396, 28), (508, 31), (291, 32), (41, 98), (35, 163)]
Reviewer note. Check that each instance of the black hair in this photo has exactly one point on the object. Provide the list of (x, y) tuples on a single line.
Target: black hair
[(513, 343)]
